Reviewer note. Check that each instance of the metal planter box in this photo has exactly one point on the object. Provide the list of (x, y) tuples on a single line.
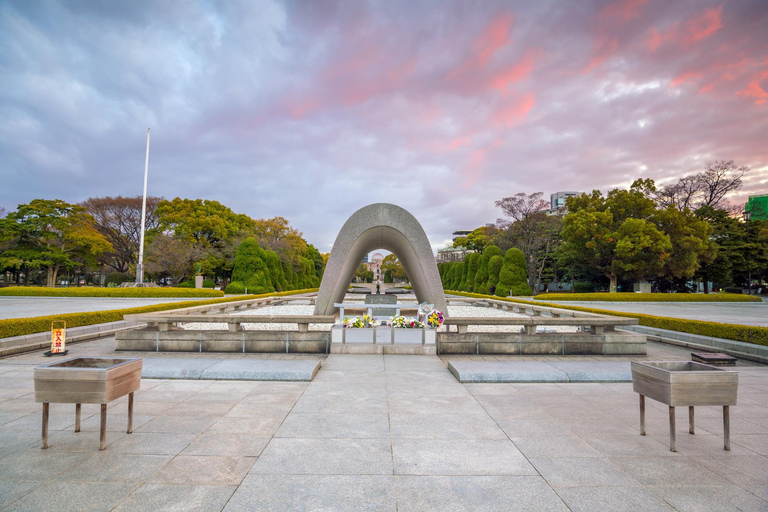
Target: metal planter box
[(87, 380), (680, 383), (685, 383)]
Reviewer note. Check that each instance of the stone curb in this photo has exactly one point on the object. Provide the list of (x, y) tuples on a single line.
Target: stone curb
[(519, 372), (231, 369), (738, 349)]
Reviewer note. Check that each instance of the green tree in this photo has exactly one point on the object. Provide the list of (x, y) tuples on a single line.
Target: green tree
[(530, 229), (458, 275), (615, 235), (512, 278), (51, 234), (477, 240), (251, 267), (494, 269), (480, 284), (390, 264), (472, 264)]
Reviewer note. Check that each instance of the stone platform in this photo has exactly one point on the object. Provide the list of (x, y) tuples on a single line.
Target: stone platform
[(538, 371), (302, 370)]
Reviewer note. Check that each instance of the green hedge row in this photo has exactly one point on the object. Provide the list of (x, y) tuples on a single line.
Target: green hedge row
[(21, 326), (745, 333), (93, 291), (649, 297)]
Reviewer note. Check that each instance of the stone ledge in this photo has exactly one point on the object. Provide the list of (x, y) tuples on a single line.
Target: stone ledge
[(535, 371)]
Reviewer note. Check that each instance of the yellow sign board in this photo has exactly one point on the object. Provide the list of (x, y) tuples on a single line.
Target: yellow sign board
[(58, 337)]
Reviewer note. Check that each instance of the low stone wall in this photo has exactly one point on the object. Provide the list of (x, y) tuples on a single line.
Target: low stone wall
[(608, 343), (154, 340)]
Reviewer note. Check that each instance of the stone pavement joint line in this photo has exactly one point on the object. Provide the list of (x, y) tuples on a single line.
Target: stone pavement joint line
[(380, 433)]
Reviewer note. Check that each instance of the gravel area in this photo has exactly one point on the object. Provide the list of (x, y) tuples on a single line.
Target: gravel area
[(457, 311)]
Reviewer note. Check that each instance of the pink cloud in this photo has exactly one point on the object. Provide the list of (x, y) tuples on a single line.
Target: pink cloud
[(495, 37), (696, 29), (518, 72), (703, 26), (754, 89), (513, 114), (624, 9)]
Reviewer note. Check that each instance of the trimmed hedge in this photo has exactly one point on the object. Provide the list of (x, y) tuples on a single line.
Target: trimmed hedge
[(649, 297), (93, 291), (21, 326), (745, 333)]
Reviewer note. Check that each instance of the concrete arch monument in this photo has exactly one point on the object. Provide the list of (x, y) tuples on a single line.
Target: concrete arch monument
[(384, 226)]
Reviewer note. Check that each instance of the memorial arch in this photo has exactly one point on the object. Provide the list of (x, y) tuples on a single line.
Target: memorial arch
[(380, 226)]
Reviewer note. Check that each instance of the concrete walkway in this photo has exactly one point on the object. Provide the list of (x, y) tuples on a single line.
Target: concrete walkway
[(744, 313), (24, 307), (382, 433)]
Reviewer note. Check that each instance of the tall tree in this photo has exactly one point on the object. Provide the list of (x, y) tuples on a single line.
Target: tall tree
[(615, 234), (530, 229), (50, 234), (119, 220), (390, 264), (707, 188)]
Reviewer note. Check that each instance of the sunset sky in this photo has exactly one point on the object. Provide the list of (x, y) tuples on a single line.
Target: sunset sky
[(312, 109)]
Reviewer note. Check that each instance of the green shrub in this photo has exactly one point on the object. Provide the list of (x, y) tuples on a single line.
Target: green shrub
[(208, 283), (234, 288), (583, 288), (187, 284), (117, 278), (513, 276), (481, 277), (494, 268), (22, 326), (649, 297), (745, 333), (92, 291)]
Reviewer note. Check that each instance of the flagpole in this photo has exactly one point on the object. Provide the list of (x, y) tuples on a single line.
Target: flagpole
[(140, 265)]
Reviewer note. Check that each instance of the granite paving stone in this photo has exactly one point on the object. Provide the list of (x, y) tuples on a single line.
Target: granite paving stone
[(458, 457), (486, 493), (710, 498), (228, 445), (583, 472), (69, 496), (115, 467), (339, 426), (152, 443), (554, 447), (352, 493), (203, 470), (172, 498), (299, 456), (668, 471), (612, 499), (444, 426)]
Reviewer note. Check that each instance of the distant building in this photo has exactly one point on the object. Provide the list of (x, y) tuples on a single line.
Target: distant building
[(365, 259), (758, 206), (375, 265), (452, 254), (557, 202), (461, 232)]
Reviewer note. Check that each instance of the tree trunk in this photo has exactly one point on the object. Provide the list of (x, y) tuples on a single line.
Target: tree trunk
[(614, 282), (706, 284), (49, 277)]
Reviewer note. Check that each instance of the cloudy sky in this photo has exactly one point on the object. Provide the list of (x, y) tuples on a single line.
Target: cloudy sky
[(312, 109)]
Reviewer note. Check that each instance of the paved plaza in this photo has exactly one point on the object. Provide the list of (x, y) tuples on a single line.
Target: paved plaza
[(744, 313), (23, 307), (375, 432)]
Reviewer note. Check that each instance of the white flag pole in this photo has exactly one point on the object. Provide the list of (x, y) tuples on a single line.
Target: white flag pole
[(140, 265)]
